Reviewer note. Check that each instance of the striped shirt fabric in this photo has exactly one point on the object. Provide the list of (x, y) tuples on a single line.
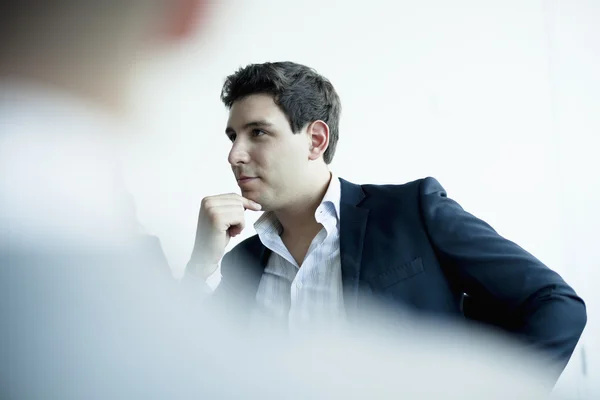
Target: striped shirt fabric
[(298, 297)]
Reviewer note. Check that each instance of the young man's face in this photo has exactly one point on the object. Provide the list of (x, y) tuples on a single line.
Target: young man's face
[(268, 160)]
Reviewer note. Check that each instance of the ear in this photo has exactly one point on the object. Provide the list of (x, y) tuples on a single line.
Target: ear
[(184, 17), (318, 136)]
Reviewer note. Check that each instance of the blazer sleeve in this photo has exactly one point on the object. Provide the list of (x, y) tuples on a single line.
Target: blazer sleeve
[(506, 286)]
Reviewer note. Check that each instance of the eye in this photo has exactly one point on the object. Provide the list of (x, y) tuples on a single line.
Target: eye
[(258, 132), (232, 137)]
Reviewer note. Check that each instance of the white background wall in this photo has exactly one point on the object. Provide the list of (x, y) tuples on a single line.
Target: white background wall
[(499, 100)]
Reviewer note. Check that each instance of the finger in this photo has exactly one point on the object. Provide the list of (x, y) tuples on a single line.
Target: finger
[(251, 205), (235, 230), (224, 217), (229, 199), (236, 198), (212, 202)]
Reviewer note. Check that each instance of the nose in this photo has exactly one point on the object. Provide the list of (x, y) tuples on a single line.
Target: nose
[(238, 154)]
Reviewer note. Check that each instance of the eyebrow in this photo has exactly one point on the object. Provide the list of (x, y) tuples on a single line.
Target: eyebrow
[(254, 124)]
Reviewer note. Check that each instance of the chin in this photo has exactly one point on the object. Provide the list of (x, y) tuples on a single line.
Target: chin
[(264, 202), (251, 195)]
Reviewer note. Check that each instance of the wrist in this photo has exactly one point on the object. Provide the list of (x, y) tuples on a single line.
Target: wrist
[(200, 268)]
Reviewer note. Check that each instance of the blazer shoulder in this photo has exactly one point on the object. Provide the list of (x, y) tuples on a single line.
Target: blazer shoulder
[(431, 185), (422, 186)]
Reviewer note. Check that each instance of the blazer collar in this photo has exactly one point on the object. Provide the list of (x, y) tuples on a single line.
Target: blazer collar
[(353, 224)]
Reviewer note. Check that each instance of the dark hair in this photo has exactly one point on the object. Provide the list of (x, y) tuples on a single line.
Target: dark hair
[(301, 93)]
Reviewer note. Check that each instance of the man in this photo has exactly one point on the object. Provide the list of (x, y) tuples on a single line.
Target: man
[(327, 249)]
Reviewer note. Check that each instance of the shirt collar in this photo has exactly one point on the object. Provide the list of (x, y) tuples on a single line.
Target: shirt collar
[(334, 194)]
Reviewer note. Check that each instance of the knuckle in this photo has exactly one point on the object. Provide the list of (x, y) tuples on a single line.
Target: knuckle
[(205, 202)]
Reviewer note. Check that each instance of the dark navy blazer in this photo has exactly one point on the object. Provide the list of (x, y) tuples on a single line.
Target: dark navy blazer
[(414, 246)]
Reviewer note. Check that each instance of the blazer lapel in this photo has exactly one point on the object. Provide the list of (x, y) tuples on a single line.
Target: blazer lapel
[(353, 224), (257, 258), (245, 271)]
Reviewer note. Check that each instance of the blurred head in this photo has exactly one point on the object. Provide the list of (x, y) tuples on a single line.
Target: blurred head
[(90, 47), (284, 127)]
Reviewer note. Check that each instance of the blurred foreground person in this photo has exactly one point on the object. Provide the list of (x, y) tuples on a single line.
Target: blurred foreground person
[(87, 310), (85, 313)]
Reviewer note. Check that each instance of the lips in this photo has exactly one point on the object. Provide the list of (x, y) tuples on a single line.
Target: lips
[(243, 180)]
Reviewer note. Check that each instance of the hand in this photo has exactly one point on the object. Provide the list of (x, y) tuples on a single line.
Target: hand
[(221, 218)]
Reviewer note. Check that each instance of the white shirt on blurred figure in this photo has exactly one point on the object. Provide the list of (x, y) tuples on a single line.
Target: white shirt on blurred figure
[(59, 169)]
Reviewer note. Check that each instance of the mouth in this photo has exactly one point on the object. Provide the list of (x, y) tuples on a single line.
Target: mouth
[(243, 180)]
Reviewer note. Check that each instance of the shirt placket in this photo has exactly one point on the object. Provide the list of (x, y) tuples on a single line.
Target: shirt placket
[(301, 306)]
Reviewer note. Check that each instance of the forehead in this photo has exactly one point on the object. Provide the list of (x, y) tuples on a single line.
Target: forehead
[(256, 107)]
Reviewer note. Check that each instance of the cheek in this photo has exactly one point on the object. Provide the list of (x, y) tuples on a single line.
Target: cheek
[(286, 164), (280, 162), (260, 161)]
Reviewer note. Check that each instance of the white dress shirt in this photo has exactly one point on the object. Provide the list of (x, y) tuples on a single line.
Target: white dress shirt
[(302, 296), (59, 160)]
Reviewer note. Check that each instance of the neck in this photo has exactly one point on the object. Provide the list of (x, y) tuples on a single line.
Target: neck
[(299, 218)]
